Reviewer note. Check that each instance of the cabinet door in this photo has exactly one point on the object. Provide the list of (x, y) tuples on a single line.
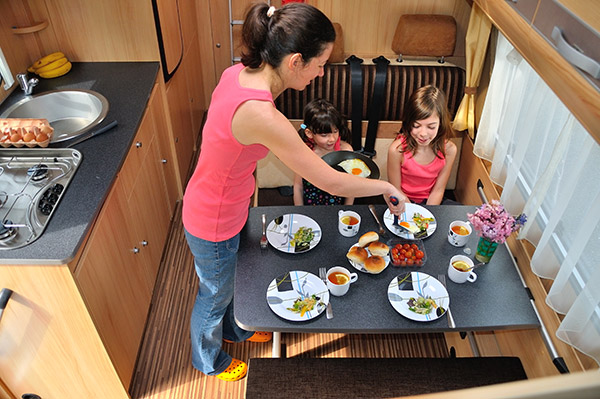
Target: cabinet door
[(48, 343), (112, 280), (149, 213)]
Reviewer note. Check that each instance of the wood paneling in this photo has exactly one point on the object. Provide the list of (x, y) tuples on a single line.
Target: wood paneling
[(369, 26), (48, 342)]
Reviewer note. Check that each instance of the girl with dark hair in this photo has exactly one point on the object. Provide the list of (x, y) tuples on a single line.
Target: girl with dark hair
[(324, 130), (421, 157), (283, 48)]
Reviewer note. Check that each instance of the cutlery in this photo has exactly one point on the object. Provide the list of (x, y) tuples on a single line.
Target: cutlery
[(381, 229), (263, 240), (476, 266), (451, 324), (93, 134), (323, 276)]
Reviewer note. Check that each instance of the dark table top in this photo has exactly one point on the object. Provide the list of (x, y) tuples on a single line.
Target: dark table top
[(497, 300)]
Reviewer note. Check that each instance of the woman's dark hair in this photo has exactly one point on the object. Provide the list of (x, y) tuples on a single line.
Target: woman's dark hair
[(321, 116), (424, 102), (294, 28)]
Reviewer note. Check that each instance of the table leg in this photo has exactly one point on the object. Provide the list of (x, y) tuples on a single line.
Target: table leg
[(276, 344)]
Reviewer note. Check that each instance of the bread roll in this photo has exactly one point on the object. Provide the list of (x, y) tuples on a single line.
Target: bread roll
[(368, 238), (375, 264), (357, 254), (378, 248)]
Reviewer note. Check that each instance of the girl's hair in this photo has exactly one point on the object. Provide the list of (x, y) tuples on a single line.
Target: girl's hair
[(293, 28), (321, 116), (424, 102)]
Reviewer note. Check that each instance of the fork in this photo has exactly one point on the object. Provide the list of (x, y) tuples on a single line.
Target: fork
[(451, 324), (323, 276), (263, 240), (381, 229)]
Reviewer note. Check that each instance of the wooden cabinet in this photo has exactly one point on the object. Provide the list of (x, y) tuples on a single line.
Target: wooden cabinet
[(48, 343), (118, 269)]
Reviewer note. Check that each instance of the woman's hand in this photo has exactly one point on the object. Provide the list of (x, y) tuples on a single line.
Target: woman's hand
[(396, 201)]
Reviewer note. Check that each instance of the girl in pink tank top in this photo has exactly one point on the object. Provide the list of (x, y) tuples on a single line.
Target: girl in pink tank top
[(421, 157)]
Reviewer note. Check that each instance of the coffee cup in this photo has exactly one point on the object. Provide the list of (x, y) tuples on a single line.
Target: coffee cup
[(348, 223), (339, 280), (459, 232), (459, 269)]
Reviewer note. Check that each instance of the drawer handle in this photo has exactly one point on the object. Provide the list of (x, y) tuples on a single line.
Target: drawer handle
[(138, 144), (135, 250), (5, 295), (575, 57)]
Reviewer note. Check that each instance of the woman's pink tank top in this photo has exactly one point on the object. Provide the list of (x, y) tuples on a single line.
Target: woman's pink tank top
[(417, 180), (217, 197)]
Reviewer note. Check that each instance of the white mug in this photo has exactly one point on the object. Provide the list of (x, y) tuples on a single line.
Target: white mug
[(339, 280), (456, 239), (460, 276), (348, 223)]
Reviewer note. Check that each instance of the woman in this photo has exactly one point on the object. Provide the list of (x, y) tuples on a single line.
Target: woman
[(284, 48)]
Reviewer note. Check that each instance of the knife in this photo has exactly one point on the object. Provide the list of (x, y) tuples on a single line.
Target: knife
[(95, 133)]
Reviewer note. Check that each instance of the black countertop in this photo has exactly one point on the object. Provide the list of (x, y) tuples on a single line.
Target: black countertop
[(127, 87), (496, 301)]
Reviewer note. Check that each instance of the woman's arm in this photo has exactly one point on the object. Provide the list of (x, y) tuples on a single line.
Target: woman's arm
[(258, 122), (298, 190), (437, 192)]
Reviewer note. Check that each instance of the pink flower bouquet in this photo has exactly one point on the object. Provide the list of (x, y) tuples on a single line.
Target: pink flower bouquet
[(493, 222)]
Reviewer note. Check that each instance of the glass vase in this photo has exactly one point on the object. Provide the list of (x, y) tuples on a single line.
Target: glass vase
[(485, 250)]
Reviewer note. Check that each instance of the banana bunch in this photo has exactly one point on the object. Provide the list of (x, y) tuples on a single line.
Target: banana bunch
[(51, 66)]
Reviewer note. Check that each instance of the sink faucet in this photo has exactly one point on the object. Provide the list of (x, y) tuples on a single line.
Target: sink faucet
[(26, 85)]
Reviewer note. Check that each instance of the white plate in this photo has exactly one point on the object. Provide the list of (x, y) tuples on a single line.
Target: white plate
[(285, 289), (361, 267), (412, 285), (279, 236), (409, 211)]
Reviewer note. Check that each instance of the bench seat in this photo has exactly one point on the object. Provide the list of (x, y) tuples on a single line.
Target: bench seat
[(374, 377)]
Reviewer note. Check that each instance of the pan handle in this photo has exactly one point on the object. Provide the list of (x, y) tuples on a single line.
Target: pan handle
[(5, 295)]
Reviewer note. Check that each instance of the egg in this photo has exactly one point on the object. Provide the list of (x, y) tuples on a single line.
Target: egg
[(41, 137), (355, 167)]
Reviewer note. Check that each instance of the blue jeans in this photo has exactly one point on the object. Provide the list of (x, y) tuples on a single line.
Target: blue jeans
[(212, 316)]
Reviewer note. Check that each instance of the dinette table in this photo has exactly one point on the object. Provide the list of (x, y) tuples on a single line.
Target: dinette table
[(497, 300)]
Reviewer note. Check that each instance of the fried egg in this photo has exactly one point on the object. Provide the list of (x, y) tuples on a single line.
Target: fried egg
[(355, 167)]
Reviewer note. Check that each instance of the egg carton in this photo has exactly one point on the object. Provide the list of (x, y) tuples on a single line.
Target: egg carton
[(15, 132)]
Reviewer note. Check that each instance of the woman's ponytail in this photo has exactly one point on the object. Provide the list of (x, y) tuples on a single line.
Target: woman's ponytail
[(269, 34)]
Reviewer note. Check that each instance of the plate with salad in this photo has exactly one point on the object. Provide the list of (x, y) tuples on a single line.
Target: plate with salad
[(418, 296), (293, 233), (297, 296), (416, 218)]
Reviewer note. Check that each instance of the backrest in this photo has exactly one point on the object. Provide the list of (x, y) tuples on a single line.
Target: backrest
[(402, 80)]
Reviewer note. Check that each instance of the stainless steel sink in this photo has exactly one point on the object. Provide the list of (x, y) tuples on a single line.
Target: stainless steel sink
[(70, 112)]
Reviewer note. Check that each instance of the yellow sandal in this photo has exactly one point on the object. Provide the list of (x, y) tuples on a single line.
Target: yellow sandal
[(259, 336), (236, 371)]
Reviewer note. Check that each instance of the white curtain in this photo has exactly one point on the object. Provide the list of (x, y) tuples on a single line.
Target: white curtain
[(547, 164)]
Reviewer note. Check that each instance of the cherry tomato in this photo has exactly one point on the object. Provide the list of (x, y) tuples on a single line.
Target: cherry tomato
[(419, 254), (414, 247), (410, 262), (406, 246)]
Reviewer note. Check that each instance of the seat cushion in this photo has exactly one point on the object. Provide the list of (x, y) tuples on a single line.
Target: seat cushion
[(374, 378)]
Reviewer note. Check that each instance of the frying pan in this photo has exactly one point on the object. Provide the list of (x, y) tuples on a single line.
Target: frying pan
[(335, 157)]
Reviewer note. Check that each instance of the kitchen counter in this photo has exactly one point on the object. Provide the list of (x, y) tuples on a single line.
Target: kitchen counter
[(127, 87)]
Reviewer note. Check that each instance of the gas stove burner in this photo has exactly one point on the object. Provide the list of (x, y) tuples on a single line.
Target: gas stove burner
[(38, 172), (7, 231)]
